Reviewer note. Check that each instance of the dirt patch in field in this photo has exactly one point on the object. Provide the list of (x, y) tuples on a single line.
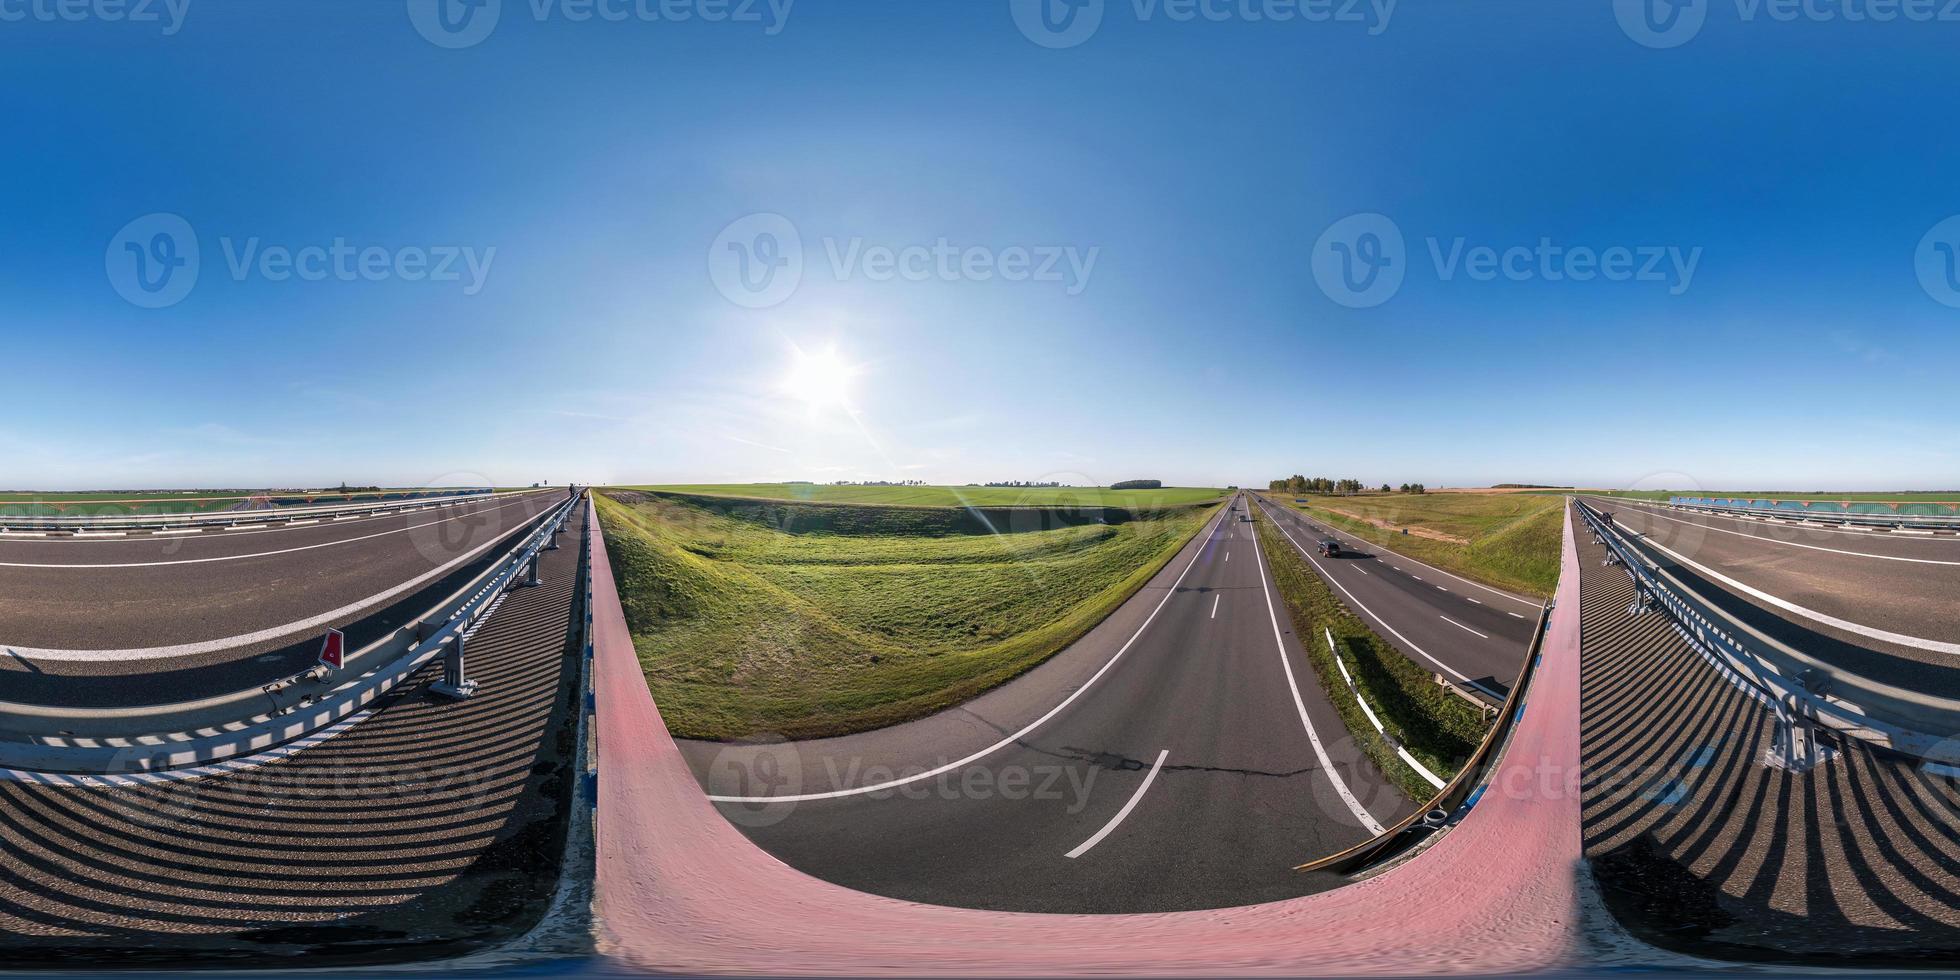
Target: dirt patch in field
[(1418, 532)]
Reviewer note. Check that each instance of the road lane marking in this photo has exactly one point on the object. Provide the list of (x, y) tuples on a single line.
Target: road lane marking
[(1083, 848), (1320, 751), (1809, 547), (1228, 556), (1514, 615), (1214, 604), (260, 554), (257, 636), (1003, 743), (1916, 642), (1477, 601), (1462, 627), (1383, 623)]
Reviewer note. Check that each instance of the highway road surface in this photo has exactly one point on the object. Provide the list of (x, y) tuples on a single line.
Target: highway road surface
[(1698, 846), (1880, 604), (1469, 632), (430, 829), (150, 618), (1182, 755)]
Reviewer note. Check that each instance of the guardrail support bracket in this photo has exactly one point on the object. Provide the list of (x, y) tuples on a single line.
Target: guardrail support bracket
[(454, 685)]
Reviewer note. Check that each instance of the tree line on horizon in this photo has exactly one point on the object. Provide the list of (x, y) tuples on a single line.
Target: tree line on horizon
[(1320, 484)]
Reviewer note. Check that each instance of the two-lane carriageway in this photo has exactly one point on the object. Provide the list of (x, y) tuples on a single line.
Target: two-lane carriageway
[(1471, 633), (147, 618), (1182, 755)]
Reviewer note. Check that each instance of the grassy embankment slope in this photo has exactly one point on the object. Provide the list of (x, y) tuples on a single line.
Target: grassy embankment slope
[(808, 620), (952, 496), (1507, 540), (1438, 728)]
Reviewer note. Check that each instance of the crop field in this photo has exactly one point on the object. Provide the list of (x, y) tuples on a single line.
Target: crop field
[(1905, 497), (954, 496), (1507, 540), (805, 621)]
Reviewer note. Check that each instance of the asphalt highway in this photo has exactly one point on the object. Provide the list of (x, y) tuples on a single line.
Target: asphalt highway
[(431, 829), (1166, 761), (152, 618), (1875, 603), (1700, 847), (1472, 633)]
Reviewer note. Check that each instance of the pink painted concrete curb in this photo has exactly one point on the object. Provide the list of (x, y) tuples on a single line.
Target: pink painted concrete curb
[(680, 890)]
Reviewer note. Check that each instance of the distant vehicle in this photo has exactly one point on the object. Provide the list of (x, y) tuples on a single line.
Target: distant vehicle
[(1245, 518), (1330, 548)]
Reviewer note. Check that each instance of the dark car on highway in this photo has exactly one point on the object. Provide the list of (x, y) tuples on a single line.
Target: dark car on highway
[(1331, 548)]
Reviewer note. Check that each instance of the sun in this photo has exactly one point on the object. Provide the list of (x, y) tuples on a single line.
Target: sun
[(819, 379)]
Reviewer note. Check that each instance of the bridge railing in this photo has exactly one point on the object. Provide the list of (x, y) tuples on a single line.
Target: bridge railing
[(134, 522), (54, 740), (1803, 690), (1863, 513)]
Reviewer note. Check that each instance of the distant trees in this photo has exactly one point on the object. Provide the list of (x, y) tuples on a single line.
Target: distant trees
[(1319, 484), (1020, 484), (1138, 485), (1413, 488)]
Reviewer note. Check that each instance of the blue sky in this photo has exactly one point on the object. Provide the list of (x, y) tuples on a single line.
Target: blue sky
[(1149, 208)]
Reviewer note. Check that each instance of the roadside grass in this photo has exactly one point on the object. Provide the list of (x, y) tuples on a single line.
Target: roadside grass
[(1904, 497), (953, 496), (1513, 539), (746, 629), (1438, 728)]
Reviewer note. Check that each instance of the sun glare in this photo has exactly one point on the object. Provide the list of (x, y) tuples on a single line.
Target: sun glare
[(819, 379)]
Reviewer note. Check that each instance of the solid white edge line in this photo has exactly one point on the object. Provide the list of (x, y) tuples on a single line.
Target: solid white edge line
[(1421, 770), (1005, 742), (1462, 627), (257, 554), (1354, 806), (1916, 642), (1496, 592), (1459, 675), (1797, 544), (1083, 848), (269, 633)]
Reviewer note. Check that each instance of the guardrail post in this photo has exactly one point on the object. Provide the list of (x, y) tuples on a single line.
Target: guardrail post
[(531, 577), (454, 684)]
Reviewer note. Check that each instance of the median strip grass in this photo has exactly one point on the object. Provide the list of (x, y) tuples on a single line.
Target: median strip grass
[(773, 618), (1440, 729), (1506, 540)]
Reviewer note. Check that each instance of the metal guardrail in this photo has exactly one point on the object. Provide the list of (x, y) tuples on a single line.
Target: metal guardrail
[(1804, 692), (105, 522), (151, 738), (1837, 514), (1454, 801)]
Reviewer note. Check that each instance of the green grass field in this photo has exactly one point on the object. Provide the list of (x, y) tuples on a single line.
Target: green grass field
[(1440, 729), (952, 496), (1507, 540), (1912, 496), (812, 620)]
